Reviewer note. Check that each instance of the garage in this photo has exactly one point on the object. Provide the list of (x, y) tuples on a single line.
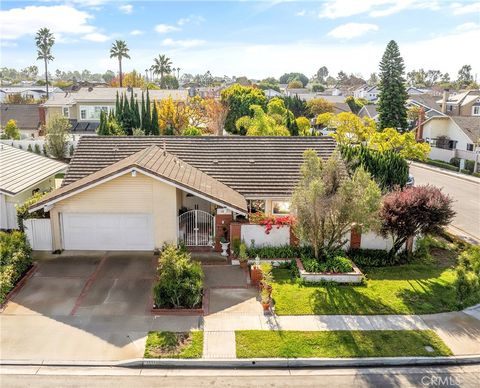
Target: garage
[(107, 231)]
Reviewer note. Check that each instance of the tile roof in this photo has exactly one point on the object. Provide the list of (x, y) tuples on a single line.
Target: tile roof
[(256, 167), (26, 115), (155, 161), (470, 125), (22, 169)]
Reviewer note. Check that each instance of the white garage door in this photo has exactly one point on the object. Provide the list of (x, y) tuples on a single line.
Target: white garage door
[(112, 232)]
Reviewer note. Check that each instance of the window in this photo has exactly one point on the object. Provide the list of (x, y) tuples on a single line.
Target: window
[(280, 207), (66, 112), (92, 112), (256, 206), (469, 147), (476, 110)]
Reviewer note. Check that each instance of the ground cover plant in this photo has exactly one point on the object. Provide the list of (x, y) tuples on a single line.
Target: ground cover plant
[(342, 343), (15, 260), (167, 344)]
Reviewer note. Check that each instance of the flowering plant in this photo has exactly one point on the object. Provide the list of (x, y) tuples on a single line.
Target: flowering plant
[(269, 220)]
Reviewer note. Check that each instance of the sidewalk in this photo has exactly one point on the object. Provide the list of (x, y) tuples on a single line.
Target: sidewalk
[(459, 330), (459, 175)]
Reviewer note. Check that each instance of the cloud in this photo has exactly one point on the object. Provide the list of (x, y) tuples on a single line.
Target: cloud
[(301, 13), (96, 37), (136, 32), (165, 28), (462, 9), (467, 27), (352, 30), (126, 8), (60, 19), (191, 19), (333, 9), (183, 43)]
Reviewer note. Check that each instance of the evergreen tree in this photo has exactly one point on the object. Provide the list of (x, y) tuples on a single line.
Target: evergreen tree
[(294, 128), (148, 128), (127, 123), (144, 116), (154, 129), (117, 103), (393, 94), (102, 128)]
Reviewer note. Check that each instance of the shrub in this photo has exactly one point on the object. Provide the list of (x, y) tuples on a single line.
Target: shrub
[(469, 166), (455, 162), (335, 264), (242, 252), (36, 149), (236, 246), (15, 259), (413, 211), (279, 252), (180, 280), (467, 283), (441, 164)]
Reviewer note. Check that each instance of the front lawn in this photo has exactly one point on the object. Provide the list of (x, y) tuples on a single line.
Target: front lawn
[(167, 344), (381, 343), (417, 288)]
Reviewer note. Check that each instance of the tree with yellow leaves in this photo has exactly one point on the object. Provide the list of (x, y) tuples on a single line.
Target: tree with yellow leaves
[(172, 116), (133, 79), (261, 124)]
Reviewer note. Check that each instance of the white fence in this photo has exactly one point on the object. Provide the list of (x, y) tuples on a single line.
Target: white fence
[(39, 233), (276, 237)]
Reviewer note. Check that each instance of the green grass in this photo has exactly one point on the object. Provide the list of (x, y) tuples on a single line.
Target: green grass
[(380, 343), (167, 344), (404, 289)]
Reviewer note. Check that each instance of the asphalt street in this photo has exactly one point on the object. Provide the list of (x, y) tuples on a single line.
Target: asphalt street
[(456, 376), (466, 196)]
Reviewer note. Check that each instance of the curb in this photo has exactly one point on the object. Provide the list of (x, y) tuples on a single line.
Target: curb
[(257, 363), (458, 175)]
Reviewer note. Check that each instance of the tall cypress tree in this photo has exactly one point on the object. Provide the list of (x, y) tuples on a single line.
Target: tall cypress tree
[(393, 94), (127, 123), (134, 115), (143, 114), (102, 129), (148, 117), (154, 129)]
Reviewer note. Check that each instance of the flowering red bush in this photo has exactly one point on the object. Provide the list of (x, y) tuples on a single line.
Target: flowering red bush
[(414, 210), (269, 221)]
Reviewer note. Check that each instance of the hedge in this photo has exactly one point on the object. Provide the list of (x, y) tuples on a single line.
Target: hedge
[(15, 260)]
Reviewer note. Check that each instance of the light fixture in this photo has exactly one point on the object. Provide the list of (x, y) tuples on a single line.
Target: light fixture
[(134, 173)]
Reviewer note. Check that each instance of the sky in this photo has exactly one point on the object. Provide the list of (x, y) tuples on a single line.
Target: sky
[(252, 38)]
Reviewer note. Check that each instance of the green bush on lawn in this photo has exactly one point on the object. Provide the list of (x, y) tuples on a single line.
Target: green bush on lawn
[(341, 343), (167, 344), (15, 259), (180, 280), (335, 264), (279, 252)]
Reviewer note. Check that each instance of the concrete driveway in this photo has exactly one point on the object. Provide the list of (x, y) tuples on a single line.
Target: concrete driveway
[(85, 306)]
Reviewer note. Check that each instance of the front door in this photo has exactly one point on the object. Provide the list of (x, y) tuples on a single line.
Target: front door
[(196, 228)]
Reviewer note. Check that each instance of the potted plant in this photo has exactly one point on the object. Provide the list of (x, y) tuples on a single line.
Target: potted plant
[(242, 256), (265, 299), (267, 277)]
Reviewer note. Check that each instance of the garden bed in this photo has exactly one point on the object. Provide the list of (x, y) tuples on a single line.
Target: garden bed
[(167, 344), (353, 277), (339, 344), (203, 310)]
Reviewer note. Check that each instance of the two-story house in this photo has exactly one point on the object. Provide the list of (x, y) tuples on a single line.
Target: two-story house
[(84, 106)]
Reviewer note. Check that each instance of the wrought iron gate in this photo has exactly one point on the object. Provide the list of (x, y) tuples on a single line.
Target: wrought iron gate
[(196, 228)]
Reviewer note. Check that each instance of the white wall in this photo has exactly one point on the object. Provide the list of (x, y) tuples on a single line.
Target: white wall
[(276, 237), (441, 154), (39, 234)]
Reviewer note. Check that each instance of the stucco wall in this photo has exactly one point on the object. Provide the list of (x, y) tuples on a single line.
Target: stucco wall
[(276, 237), (125, 194)]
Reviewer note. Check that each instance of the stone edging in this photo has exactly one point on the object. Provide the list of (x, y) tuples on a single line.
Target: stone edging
[(16, 289)]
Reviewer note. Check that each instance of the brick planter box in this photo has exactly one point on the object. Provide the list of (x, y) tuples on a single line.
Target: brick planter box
[(354, 277), (186, 312)]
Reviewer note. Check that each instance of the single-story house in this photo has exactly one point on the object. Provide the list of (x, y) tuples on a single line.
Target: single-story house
[(369, 111), (451, 136), (32, 92), (137, 193), (22, 174), (27, 117)]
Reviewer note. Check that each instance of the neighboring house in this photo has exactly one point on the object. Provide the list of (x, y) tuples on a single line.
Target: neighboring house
[(461, 104), (127, 193), (22, 174), (412, 91), (369, 93), (205, 91), (370, 111), (83, 107), (450, 137), (27, 117), (341, 107), (270, 93), (30, 92), (427, 102)]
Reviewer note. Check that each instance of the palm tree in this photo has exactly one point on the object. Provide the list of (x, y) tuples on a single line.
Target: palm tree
[(178, 73), (44, 41), (162, 65), (119, 50)]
